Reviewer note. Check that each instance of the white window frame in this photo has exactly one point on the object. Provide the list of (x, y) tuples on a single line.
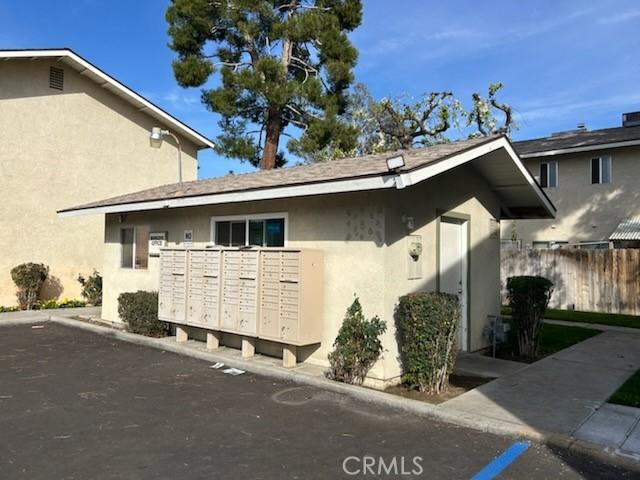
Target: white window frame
[(133, 250), (548, 164), (600, 170), (247, 219)]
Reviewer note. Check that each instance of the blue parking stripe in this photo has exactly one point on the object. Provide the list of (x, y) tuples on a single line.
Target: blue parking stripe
[(503, 461)]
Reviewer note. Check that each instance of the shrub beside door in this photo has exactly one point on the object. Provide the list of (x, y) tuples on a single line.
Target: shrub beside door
[(427, 328), (528, 298)]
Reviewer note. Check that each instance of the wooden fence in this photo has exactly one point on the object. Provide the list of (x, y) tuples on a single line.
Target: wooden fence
[(588, 280)]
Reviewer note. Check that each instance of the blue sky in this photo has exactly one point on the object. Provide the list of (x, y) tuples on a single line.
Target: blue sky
[(562, 62)]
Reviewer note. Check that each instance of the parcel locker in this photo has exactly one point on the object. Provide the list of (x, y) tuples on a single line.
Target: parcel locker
[(275, 294), (291, 296), (172, 288)]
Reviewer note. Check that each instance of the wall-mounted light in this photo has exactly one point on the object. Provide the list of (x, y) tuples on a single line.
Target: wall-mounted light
[(408, 222), (395, 163), (155, 140)]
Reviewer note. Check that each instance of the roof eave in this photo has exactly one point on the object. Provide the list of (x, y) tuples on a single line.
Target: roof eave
[(585, 148), (386, 180)]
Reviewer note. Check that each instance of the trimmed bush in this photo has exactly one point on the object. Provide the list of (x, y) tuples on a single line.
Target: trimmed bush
[(427, 330), (92, 288), (139, 310), (29, 278), (357, 346), (528, 298)]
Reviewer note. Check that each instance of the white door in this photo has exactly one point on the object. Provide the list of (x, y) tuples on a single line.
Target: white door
[(453, 269)]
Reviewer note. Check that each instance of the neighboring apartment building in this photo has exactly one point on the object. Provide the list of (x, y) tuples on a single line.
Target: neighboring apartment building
[(592, 177), (70, 133)]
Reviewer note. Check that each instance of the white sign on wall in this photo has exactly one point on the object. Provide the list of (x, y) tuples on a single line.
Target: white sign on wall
[(188, 238), (157, 240)]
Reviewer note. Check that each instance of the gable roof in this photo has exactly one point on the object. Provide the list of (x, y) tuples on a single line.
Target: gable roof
[(579, 141), (345, 175), (86, 68)]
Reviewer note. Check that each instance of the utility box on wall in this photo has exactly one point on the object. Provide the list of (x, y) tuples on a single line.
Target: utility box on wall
[(414, 257)]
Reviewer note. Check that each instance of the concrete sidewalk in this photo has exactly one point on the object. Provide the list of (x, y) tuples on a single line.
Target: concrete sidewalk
[(559, 393), (26, 316), (593, 326), (479, 365), (616, 426)]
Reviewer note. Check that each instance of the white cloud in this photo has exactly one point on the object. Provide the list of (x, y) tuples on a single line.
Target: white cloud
[(588, 107), (182, 101), (620, 17)]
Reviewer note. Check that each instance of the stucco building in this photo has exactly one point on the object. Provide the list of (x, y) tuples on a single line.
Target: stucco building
[(425, 220), (70, 133), (591, 176)]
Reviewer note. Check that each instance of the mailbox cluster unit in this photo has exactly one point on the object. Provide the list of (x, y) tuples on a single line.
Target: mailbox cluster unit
[(274, 294)]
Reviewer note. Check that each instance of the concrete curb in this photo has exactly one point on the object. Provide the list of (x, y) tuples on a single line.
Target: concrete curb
[(23, 321), (435, 412)]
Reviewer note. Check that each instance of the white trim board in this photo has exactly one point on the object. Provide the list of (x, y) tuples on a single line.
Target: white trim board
[(118, 88), (587, 148), (376, 182)]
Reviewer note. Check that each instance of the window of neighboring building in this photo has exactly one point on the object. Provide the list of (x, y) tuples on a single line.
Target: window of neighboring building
[(549, 174), (601, 170), (265, 230), (134, 248)]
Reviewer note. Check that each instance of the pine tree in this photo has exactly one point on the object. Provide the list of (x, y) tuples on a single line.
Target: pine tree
[(281, 64)]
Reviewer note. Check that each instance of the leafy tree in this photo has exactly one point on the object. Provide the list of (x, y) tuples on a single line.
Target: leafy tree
[(418, 123), (281, 63), (401, 123), (482, 115)]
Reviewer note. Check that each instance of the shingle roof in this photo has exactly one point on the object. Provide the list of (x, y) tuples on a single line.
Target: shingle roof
[(344, 169), (577, 139)]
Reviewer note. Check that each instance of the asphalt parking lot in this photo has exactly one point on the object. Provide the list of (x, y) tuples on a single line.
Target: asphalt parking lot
[(77, 405)]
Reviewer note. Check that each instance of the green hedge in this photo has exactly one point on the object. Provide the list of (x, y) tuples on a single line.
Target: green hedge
[(139, 310), (29, 278), (357, 346), (427, 329), (92, 288), (528, 298)]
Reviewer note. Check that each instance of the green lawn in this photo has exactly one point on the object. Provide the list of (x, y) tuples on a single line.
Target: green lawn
[(553, 339), (558, 337), (613, 319), (629, 393)]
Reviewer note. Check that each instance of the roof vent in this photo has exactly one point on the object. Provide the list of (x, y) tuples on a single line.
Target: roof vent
[(631, 119), (56, 78)]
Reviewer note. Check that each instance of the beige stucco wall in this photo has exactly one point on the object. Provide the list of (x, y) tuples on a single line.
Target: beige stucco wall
[(62, 148), (364, 242), (586, 212)]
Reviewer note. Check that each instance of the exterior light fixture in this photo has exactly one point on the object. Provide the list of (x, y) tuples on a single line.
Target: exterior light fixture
[(155, 140), (395, 163)]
